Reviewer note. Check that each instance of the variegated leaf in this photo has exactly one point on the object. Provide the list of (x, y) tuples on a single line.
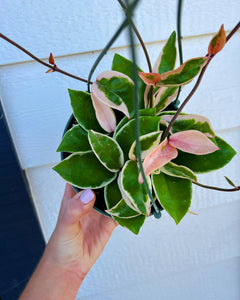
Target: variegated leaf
[(150, 78), (160, 156), (84, 170), (125, 66), (148, 142), (190, 121), (192, 141), (167, 58), (217, 42), (83, 110), (208, 162), (106, 150), (115, 90), (184, 74), (112, 196), (136, 193), (175, 170), (75, 140), (105, 115), (126, 136), (164, 97), (122, 210), (174, 194)]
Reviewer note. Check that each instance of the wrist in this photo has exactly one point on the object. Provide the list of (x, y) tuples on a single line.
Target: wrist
[(51, 281)]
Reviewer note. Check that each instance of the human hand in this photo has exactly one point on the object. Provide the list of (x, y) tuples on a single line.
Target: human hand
[(79, 238), (81, 233)]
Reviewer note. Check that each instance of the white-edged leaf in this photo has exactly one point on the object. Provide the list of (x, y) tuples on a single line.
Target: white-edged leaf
[(183, 74), (105, 115), (190, 121), (174, 194), (175, 170), (164, 97), (160, 156), (106, 150), (114, 89), (148, 142), (84, 170), (167, 59), (122, 210), (135, 192)]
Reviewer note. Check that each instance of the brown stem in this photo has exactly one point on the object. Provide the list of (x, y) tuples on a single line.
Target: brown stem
[(53, 67), (196, 85), (186, 100), (235, 29), (237, 188), (139, 38)]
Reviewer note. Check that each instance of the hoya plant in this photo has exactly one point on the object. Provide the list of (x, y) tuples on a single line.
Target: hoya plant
[(101, 148), (128, 138)]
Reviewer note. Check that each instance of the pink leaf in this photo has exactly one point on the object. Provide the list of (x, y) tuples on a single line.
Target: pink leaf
[(192, 141), (160, 156), (105, 116), (150, 78)]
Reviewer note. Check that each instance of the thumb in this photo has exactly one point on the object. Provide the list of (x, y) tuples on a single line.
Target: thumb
[(74, 208)]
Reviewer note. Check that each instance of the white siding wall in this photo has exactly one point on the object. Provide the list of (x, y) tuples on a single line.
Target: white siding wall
[(198, 259)]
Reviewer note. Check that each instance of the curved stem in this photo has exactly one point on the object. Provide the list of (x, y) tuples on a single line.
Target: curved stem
[(104, 51), (157, 213), (179, 32), (139, 37), (53, 67), (109, 44), (179, 39), (233, 32), (217, 188)]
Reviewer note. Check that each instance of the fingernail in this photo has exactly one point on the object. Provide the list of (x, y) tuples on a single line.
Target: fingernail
[(87, 196)]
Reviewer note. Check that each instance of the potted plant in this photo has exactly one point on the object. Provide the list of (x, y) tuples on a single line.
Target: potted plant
[(130, 142)]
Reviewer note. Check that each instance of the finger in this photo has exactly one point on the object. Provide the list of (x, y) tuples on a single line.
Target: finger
[(69, 192), (75, 209)]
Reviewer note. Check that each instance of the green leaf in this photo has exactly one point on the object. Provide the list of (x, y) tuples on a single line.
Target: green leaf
[(184, 74), (208, 162), (107, 150), (122, 210), (84, 170), (174, 170), (83, 110), (112, 197), (125, 136), (167, 59), (174, 194), (115, 89), (147, 112), (75, 140), (147, 143), (135, 192), (125, 66), (120, 125), (142, 112), (230, 182)]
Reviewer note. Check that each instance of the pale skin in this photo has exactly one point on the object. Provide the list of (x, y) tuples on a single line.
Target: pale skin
[(79, 238)]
